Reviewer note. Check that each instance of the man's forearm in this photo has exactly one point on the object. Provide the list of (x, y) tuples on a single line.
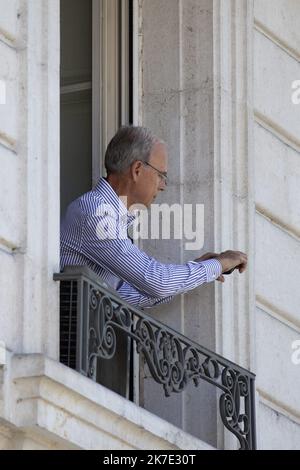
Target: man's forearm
[(140, 299)]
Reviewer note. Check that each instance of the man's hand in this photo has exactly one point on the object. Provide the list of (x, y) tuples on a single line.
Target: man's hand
[(230, 260)]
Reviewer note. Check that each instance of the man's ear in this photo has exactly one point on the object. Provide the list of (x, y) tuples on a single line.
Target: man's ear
[(136, 169)]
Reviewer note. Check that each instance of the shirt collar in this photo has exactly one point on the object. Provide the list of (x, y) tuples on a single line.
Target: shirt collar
[(110, 197)]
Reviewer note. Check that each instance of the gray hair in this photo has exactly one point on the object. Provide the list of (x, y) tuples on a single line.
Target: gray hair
[(130, 143)]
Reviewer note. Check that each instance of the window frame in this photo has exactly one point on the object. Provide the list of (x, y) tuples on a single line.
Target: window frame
[(111, 75)]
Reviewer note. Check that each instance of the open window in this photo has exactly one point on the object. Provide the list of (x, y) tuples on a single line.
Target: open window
[(96, 99), (96, 87)]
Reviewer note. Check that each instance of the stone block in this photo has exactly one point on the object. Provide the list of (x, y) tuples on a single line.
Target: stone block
[(11, 197), (277, 432), (273, 90), (11, 301), (277, 375), (281, 18), (277, 263), (9, 18), (9, 74), (277, 170)]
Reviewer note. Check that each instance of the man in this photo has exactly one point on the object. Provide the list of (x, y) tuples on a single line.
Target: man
[(94, 231)]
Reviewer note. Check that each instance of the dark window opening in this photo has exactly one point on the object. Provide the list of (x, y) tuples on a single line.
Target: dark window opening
[(96, 98)]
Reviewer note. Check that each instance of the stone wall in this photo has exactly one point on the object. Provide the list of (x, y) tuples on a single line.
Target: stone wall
[(29, 189), (277, 196)]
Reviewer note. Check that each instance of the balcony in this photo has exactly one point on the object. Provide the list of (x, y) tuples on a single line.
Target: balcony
[(97, 326)]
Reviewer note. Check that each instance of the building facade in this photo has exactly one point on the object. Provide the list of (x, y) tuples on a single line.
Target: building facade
[(218, 82)]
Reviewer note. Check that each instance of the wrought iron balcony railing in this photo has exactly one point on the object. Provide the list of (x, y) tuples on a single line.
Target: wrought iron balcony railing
[(92, 319)]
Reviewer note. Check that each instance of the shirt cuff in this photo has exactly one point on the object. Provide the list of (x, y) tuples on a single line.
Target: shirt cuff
[(213, 269)]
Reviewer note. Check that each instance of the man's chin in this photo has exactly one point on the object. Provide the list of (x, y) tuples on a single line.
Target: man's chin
[(149, 202)]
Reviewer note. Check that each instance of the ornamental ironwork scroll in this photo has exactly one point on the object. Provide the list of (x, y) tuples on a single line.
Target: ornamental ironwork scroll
[(173, 360)]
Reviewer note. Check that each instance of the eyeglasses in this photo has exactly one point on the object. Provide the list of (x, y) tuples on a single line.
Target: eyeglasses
[(162, 174)]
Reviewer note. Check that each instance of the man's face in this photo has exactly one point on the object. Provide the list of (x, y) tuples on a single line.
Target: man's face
[(151, 179)]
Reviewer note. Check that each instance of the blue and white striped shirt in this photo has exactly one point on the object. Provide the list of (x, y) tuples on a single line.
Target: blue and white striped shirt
[(138, 278)]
